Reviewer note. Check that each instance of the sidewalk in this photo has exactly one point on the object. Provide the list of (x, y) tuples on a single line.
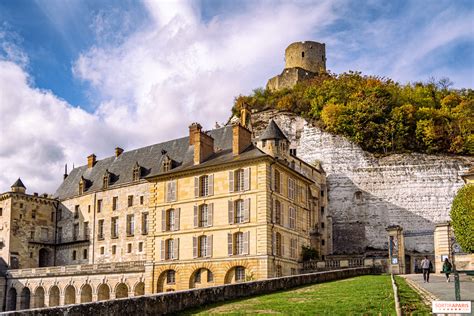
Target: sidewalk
[(443, 290)]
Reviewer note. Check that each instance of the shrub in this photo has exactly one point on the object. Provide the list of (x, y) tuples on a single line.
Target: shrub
[(462, 217)]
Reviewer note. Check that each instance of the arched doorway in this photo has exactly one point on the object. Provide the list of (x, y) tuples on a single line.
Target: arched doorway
[(103, 292), (201, 277), (121, 290), (139, 289), (86, 293), (39, 297), (70, 295), (44, 258), (25, 297), (235, 275), (54, 296), (11, 299), (167, 281)]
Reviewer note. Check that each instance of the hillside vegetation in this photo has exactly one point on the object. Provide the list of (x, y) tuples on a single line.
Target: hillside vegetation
[(380, 115)]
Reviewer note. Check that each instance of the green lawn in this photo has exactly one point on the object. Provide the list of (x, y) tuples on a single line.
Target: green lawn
[(365, 295), (410, 301)]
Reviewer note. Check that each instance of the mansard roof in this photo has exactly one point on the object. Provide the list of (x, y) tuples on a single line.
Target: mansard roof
[(272, 132), (18, 184), (150, 159)]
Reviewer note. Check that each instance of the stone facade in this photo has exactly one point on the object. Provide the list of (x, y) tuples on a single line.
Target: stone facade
[(367, 194), (133, 223)]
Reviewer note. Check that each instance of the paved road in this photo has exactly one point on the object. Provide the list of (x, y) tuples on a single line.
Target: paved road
[(443, 290)]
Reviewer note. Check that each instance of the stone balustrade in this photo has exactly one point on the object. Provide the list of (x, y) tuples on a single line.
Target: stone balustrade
[(342, 262)]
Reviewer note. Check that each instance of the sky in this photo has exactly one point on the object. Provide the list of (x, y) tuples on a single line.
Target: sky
[(84, 76)]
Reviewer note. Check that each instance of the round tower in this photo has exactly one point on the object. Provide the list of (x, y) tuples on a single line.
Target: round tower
[(308, 55)]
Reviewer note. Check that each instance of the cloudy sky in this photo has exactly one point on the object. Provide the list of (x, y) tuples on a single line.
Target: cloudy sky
[(84, 76)]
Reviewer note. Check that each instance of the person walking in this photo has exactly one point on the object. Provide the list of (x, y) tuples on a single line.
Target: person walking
[(426, 266), (447, 266)]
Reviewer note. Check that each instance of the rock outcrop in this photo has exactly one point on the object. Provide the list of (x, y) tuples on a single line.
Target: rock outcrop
[(367, 194)]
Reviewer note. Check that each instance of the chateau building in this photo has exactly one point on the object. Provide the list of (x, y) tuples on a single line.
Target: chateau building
[(208, 209)]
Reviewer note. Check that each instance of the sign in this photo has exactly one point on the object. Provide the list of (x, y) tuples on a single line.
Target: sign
[(394, 260), (456, 248), (451, 307)]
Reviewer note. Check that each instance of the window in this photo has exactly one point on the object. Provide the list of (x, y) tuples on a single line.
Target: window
[(88, 208), (239, 274), (140, 246), (322, 225), (130, 225), (114, 203), (44, 234), (32, 234), (1, 211), (210, 276), (21, 205), (239, 243), (239, 211), (52, 216), (292, 217), (129, 248), (170, 277), (293, 152), (114, 249), (105, 180), (202, 246), (278, 271), (169, 249), (322, 192), (75, 233), (276, 181), (293, 271), (86, 230), (171, 191), (291, 188), (84, 254), (278, 243), (322, 210), (33, 214), (99, 206), (130, 200), (203, 214), (76, 211), (277, 209), (100, 229), (170, 219), (81, 186), (31, 255), (204, 185), (144, 223), (239, 180), (74, 254), (293, 247), (114, 227), (322, 242), (197, 277), (102, 250), (141, 200), (302, 54), (59, 234), (136, 172)]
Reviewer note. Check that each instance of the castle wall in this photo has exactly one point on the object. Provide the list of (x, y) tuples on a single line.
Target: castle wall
[(367, 194)]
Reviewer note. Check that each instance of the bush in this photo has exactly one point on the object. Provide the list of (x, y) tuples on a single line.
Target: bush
[(462, 217), (309, 253)]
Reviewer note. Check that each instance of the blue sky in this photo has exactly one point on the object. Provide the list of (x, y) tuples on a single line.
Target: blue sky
[(85, 76)]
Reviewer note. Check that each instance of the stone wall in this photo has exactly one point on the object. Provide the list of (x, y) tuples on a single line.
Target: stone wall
[(173, 302), (367, 194)]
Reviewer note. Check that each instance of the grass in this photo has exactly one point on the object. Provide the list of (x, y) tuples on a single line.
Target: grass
[(365, 295), (410, 301)]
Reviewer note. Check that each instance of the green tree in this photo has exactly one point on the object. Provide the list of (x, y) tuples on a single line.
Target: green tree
[(462, 217)]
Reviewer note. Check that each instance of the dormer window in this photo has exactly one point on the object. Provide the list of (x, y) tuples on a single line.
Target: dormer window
[(106, 179), (136, 172), (167, 163), (82, 185)]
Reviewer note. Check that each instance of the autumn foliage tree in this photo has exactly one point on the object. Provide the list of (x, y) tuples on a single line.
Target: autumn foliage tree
[(462, 217)]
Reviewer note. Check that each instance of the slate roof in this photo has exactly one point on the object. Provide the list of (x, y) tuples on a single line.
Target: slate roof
[(18, 184), (150, 158), (272, 132)]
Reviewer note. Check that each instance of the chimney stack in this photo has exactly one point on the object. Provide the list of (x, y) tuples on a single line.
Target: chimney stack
[(91, 160), (65, 172), (203, 143), (241, 139), (118, 151)]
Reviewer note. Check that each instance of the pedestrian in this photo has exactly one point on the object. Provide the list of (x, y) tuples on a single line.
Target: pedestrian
[(447, 266), (426, 266)]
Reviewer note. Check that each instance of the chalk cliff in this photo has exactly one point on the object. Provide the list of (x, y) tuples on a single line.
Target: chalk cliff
[(367, 194)]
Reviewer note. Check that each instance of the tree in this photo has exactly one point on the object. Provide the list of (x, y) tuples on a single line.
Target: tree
[(462, 217)]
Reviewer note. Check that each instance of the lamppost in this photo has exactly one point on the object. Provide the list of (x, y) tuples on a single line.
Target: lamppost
[(457, 288)]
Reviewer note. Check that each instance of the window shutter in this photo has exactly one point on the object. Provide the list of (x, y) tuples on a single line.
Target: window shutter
[(291, 218), (168, 191), (231, 181), (272, 179), (282, 246), (196, 186), (230, 246), (209, 246), (173, 190), (273, 206), (163, 220), (246, 179), (246, 242), (210, 214), (281, 183), (176, 249), (210, 184), (247, 210), (274, 243), (176, 218), (282, 214), (163, 249), (231, 212), (289, 188), (195, 247), (196, 217)]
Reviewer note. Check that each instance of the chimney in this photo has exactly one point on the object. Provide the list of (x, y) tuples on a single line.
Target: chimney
[(65, 172), (91, 161), (203, 143), (118, 151), (241, 139)]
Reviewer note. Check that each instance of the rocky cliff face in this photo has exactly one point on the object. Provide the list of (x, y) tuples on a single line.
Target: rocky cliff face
[(367, 194)]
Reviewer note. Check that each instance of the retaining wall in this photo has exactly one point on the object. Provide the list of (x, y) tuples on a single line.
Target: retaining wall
[(172, 302)]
